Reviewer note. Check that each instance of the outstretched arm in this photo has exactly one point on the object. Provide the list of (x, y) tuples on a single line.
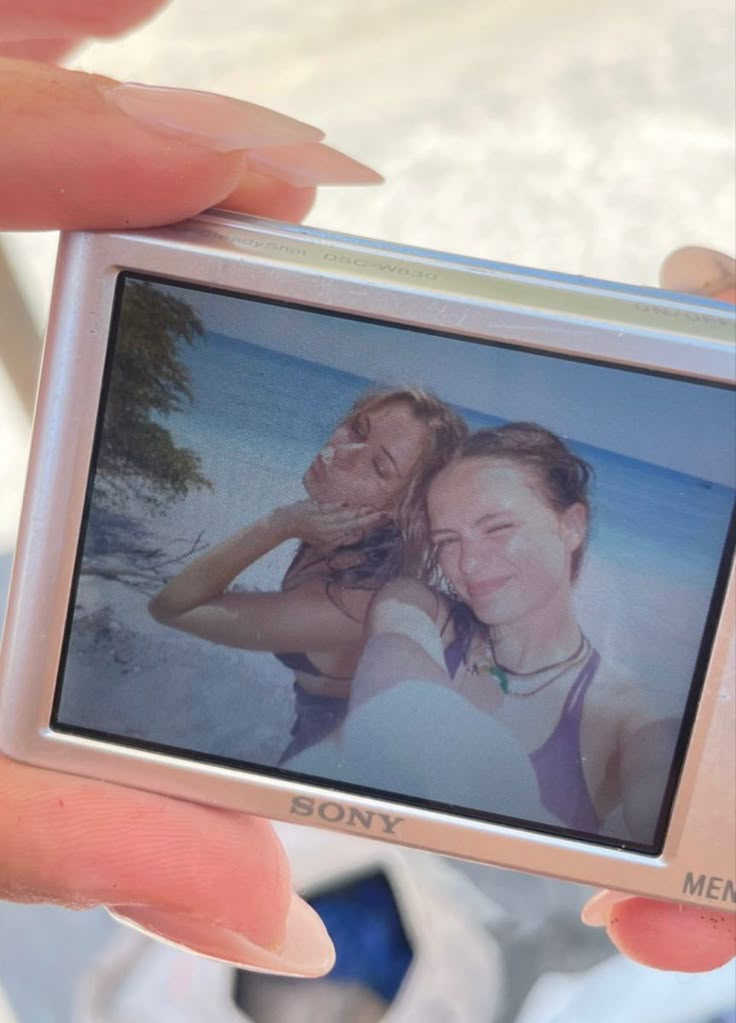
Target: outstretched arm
[(303, 618), (646, 762), (403, 641)]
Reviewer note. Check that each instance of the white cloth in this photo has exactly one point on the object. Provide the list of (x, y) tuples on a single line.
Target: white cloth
[(425, 741)]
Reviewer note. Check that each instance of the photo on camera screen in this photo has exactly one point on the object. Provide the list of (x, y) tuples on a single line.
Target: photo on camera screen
[(465, 575)]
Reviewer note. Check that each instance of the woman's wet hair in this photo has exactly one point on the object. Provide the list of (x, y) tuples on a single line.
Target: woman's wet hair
[(381, 555), (560, 477), (445, 431)]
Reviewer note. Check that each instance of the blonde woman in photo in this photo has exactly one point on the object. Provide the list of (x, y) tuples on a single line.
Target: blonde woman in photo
[(351, 542)]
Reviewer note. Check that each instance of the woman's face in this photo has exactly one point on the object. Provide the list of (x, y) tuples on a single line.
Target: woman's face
[(368, 460), (502, 546)]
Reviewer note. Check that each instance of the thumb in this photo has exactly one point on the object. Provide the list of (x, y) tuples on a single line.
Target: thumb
[(210, 880), (83, 151), (700, 271)]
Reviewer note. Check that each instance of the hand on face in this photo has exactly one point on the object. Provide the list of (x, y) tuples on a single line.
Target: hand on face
[(330, 525)]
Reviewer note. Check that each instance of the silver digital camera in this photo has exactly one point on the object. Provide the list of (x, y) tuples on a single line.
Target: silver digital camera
[(388, 541)]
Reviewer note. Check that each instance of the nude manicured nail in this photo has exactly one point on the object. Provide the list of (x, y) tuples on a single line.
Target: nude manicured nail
[(215, 122), (597, 910), (698, 271), (311, 164), (306, 950)]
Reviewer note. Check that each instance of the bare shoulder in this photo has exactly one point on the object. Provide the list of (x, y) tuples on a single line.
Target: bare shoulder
[(347, 601), (410, 593), (619, 697)]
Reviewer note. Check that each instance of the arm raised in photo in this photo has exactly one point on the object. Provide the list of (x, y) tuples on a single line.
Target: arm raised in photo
[(197, 600)]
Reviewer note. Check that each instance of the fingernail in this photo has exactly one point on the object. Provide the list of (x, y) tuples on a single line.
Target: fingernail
[(216, 122), (597, 910), (698, 271), (306, 950), (311, 164)]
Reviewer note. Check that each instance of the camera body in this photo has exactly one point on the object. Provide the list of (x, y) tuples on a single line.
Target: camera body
[(189, 374)]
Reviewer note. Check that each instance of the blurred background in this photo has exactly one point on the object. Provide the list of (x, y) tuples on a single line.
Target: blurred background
[(583, 136)]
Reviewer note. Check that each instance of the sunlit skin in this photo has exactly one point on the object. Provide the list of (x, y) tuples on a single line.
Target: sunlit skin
[(508, 554), (353, 484), (368, 460), (83, 842)]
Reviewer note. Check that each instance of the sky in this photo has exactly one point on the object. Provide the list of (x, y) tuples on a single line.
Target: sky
[(686, 426)]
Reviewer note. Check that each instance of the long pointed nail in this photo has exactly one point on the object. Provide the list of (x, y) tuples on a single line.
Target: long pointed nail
[(597, 910), (306, 950), (215, 122), (311, 164), (698, 271)]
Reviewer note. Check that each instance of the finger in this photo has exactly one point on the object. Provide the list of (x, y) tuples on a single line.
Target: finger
[(304, 951), (36, 19), (668, 936), (301, 168), (368, 520), (700, 271), (325, 507), (312, 163), (339, 509), (82, 843), (214, 881), (257, 194), (342, 514), (48, 51), (339, 525), (79, 151), (665, 935)]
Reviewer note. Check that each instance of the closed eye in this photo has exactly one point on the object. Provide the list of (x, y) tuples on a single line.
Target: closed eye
[(359, 428), (489, 530), (443, 542)]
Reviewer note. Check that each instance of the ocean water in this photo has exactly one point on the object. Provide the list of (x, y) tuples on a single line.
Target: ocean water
[(258, 416), (255, 404), (256, 420)]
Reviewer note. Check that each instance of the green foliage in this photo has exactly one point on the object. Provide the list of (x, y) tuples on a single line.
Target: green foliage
[(149, 381)]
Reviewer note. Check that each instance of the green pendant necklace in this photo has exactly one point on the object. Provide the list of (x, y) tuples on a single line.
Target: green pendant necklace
[(501, 674)]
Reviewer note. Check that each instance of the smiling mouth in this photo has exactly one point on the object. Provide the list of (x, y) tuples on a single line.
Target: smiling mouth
[(487, 588)]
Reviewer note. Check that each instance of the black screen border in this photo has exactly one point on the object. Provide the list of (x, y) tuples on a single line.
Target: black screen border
[(701, 663)]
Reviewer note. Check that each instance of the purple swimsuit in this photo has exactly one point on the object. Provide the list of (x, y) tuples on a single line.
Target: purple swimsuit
[(557, 763)]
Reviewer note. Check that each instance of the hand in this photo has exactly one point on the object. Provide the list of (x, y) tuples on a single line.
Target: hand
[(329, 525), (664, 934), (80, 152)]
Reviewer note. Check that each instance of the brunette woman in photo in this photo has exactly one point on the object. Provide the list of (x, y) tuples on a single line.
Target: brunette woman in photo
[(504, 526), (351, 544)]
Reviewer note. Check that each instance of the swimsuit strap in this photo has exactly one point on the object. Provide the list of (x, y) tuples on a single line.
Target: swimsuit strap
[(463, 622), (573, 705), (300, 662), (558, 763)]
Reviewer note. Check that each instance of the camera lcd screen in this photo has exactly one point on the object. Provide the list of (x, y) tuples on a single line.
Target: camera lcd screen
[(465, 575)]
